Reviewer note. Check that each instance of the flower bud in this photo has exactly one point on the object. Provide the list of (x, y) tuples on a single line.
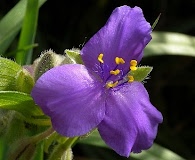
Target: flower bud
[(45, 62)]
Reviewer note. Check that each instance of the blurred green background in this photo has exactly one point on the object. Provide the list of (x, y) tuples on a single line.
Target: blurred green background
[(67, 24)]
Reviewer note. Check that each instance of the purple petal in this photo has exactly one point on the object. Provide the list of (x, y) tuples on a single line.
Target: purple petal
[(72, 97), (131, 121), (125, 35)]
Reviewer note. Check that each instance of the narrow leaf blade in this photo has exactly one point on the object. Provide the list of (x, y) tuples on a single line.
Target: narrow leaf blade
[(11, 24), (28, 32)]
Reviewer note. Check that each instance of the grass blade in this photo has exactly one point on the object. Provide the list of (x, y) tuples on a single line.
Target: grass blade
[(28, 32), (11, 24)]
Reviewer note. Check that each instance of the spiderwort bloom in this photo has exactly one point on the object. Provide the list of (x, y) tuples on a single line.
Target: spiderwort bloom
[(101, 93)]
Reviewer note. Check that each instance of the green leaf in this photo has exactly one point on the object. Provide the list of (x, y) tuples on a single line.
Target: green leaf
[(11, 24), (169, 43), (141, 73), (13, 77), (21, 102), (156, 152), (74, 55), (13, 53)]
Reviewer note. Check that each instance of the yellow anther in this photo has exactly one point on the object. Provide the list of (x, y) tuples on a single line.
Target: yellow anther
[(131, 78), (133, 68), (115, 72), (111, 84), (133, 64), (100, 58), (119, 60)]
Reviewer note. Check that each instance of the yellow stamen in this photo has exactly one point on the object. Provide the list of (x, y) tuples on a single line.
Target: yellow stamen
[(115, 72), (100, 58), (133, 64), (119, 60), (111, 84), (133, 68), (131, 79)]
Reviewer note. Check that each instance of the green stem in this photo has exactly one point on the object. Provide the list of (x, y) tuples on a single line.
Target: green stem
[(27, 145), (28, 32), (42, 135), (60, 150), (40, 122), (34, 120)]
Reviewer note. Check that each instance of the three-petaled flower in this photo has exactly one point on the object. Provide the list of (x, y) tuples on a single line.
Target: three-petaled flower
[(101, 94)]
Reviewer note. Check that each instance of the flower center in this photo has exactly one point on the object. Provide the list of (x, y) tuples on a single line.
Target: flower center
[(115, 71)]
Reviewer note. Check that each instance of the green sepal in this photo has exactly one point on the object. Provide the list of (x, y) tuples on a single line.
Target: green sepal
[(13, 77), (74, 55), (45, 62), (18, 101), (141, 73)]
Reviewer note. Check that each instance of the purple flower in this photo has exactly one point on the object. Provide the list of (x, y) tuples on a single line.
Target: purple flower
[(100, 93)]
